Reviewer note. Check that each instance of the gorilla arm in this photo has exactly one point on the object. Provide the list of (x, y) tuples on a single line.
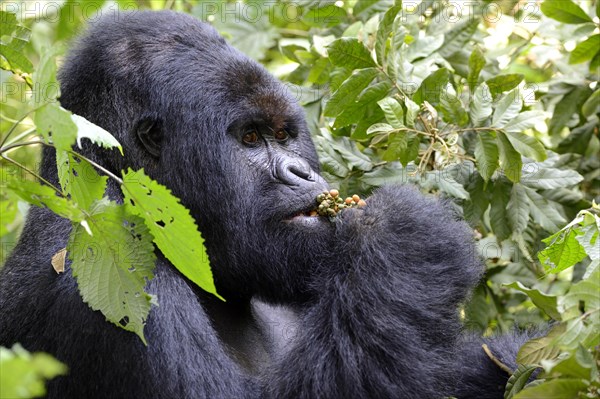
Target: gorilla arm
[(384, 318)]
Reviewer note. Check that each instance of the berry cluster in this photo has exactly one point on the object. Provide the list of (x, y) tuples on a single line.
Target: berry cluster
[(330, 203)]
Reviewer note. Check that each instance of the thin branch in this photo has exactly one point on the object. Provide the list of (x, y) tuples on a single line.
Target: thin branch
[(31, 172)]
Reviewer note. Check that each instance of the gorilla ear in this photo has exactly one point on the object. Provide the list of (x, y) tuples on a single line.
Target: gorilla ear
[(149, 131)]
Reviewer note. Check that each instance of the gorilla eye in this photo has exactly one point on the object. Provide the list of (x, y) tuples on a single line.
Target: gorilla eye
[(250, 137), (281, 135)]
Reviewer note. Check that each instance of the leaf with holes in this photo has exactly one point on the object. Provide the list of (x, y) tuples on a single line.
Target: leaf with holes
[(113, 265), (174, 230), (79, 179), (94, 133)]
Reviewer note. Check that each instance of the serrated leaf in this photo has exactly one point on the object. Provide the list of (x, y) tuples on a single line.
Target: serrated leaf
[(565, 11), (94, 133), (585, 50), (527, 145), (510, 159), (55, 125), (383, 32), (431, 88), (550, 178), (393, 112), (113, 265), (457, 37), (350, 53), (543, 212), (547, 303), (480, 107), (518, 216), (501, 83), (476, 64), (518, 380), (45, 197), (79, 179), (507, 109), (174, 230)]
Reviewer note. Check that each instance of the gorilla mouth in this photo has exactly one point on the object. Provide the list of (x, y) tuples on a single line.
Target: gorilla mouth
[(308, 215)]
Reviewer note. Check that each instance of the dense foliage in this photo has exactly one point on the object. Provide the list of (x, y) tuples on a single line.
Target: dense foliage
[(493, 104)]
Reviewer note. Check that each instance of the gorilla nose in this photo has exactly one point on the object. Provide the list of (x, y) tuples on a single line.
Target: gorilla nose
[(298, 172)]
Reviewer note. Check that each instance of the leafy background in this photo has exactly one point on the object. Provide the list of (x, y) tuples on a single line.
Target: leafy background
[(493, 104)]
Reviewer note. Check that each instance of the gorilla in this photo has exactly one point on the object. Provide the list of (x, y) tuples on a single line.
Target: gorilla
[(363, 307)]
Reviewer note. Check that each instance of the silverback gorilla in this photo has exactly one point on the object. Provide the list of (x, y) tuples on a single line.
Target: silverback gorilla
[(372, 298)]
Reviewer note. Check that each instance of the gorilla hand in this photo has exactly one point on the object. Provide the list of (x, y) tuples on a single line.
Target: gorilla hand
[(384, 319)]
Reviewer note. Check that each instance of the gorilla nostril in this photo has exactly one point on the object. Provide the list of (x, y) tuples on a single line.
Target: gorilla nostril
[(295, 172)]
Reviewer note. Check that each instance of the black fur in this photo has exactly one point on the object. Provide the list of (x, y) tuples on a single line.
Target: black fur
[(372, 298)]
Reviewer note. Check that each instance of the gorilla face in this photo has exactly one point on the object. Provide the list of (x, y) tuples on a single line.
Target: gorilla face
[(230, 142)]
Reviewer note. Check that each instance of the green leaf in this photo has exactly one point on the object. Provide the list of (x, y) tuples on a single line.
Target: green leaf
[(498, 218), (543, 212), (54, 123), (563, 388), (518, 216), (23, 374), (445, 181), (94, 133), (380, 128), (565, 11), (585, 50), (423, 47), (45, 197), (550, 178), (542, 348), (486, 154), (453, 110), (79, 179), (431, 88), (592, 104), (18, 62), (412, 111), (501, 83), (589, 240), (325, 16), (480, 107), (525, 120), (365, 101), (253, 37), (113, 264), (397, 145), (547, 303), (527, 145), (476, 64), (385, 28), (9, 23), (518, 380), (457, 37), (507, 109), (174, 230), (349, 90), (350, 53), (46, 88), (583, 297), (393, 111), (567, 107), (510, 159)]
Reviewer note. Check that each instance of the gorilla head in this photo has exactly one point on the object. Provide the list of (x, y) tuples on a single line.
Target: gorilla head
[(225, 136)]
